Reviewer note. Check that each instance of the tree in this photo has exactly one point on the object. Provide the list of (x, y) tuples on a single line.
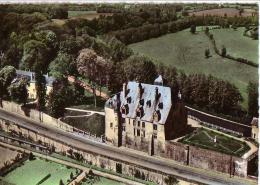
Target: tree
[(140, 68), (61, 182), (62, 65), (207, 30), (223, 51), (252, 92), (193, 29), (40, 86), (31, 156), (7, 74), (94, 68), (18, 91), (59, 97), (35, 55), (71, 175), (171, 180), (207, 53)]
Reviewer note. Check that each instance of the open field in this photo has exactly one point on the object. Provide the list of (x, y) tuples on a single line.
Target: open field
[(204, 138), (236, 44), (86, 14), (34, 171), (6, 155), (230, 12), (186, 52)]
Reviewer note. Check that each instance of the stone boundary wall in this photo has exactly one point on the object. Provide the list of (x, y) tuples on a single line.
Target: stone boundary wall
[(206, 159), (89, 157), (35, 115)]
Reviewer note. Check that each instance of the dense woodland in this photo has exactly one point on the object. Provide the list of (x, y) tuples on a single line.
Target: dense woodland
[(97, 50)]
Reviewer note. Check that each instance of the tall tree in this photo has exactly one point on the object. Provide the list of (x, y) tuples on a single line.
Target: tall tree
[(140, 68), (7, 74), (94, 68), (252, 92), (18, 91), (40, 86)]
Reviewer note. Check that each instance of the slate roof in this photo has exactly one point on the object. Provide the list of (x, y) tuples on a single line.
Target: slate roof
[(31, 76), (147, 103)]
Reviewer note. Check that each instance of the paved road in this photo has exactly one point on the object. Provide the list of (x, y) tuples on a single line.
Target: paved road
[(129, 156)]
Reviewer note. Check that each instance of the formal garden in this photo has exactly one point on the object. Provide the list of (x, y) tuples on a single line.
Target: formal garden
[(40, 171), (216, 141)]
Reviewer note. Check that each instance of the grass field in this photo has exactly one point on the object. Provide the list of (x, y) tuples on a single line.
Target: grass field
[(86, 14), (230, 12), (186, 52), (34, 171), (205, 138), (236, 44)]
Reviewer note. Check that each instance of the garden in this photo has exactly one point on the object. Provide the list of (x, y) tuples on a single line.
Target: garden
[(39, 171), (209, 139)]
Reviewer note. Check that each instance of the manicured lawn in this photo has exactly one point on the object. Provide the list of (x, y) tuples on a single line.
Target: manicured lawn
[(236, 44), (186, 52), (205, 138), (104, 181), (34, 171)]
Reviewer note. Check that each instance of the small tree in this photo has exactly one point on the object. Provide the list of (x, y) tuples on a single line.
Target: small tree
[(207, 30), (193, 29), (71, 175), (171, 180), (40, 85), (207, 53), (18, 91), (61, 182), (223, 51), (31, 156), (211, 36)]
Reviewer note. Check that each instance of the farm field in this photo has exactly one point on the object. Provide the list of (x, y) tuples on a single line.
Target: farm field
[(34, 171), (186, 52), (230, 12), (204, 138), (86, 14), (6, 155), (236, 44)]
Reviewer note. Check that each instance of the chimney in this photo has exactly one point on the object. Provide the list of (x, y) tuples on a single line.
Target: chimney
[(140, 90), (125, 89)]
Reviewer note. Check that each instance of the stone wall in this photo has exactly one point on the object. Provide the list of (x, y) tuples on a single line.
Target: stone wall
[(35, 115), (206, 159), (89, 157)]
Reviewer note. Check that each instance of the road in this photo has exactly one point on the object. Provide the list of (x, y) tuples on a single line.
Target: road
[(130, 156)]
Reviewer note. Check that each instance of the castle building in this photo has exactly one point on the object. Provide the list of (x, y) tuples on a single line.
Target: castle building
[(143, 116), (31, 82)]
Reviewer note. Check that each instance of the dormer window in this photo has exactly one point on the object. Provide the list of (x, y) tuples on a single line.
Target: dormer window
[(140, 112), (148, 103), (141, 102), (125, 109), (157, 116), (160, 105), (128, 100)]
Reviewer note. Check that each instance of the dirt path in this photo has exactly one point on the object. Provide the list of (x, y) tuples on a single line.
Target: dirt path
[(87, 87)]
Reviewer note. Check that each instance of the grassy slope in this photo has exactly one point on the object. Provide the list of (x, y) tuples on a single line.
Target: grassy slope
[(237, 45), (33, 171), (186, 52)]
